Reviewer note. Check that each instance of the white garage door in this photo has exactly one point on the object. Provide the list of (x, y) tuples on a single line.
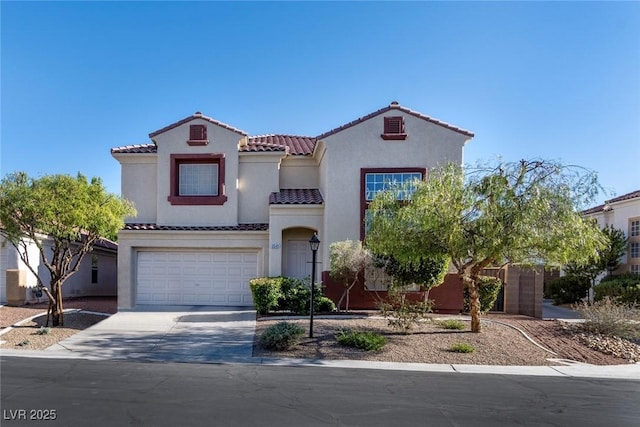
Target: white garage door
[(196, 278)]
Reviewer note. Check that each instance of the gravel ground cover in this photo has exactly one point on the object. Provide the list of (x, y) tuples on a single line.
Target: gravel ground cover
[(498, 344), (25, 335)]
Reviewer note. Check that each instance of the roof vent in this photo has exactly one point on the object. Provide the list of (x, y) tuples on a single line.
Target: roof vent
[(395, 103), (198, 113)]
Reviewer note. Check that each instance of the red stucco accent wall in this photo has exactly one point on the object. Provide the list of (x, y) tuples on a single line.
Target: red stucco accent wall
[(448, 296)]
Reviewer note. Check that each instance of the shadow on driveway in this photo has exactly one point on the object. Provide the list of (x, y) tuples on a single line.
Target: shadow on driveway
[(213, 335)]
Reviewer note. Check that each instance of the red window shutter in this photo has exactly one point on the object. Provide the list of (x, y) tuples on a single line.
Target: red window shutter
[(394, 125), (197, 132)]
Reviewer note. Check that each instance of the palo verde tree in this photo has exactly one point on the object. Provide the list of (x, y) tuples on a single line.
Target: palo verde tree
[(347, 262), (523, 212), (64, 217)]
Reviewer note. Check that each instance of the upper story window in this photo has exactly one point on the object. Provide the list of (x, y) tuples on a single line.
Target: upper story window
[(375, 180), (394, 128), (635, 228), (198, 135), (197, 179)]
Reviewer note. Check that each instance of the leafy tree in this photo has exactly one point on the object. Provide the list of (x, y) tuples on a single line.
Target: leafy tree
[(522, 212), (64, 217), (424, 272), (347, 261), (607, 258), (613, 252)]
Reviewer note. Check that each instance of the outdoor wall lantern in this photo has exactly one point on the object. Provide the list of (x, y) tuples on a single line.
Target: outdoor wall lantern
[(314, 243)]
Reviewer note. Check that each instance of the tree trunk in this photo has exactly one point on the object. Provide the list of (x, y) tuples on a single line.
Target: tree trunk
[(57, 318), (474, 305)]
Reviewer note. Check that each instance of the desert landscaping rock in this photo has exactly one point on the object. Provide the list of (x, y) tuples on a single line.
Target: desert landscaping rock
[(25, 335), (496, 345)]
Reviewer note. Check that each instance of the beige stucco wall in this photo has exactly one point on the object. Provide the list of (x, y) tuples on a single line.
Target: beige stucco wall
[(174, 141), (139, 184), (258, 177), (130, 242), (299, 172), (618, 216), (426, 146)]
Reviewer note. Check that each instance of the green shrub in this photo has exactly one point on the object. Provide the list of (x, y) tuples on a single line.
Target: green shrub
[(281, 336), (610, 317), (489, 290), (568, 289), (401, 313), (625, 279), (43, 330), (295, 295), (266, 293), (625, 288), (368, 341), (462, 347), (324, 305), (286, 294), (451, 324)]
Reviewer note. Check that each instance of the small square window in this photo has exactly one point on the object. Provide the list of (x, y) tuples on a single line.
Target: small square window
[(394, 128), (198, 135), (197, 179)]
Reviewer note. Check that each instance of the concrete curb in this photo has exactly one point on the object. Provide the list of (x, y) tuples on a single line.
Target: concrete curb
[(579, 370)]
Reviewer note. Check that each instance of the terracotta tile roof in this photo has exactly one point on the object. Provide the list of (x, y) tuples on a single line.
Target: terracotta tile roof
[(296, 196), (297, 145), (596, 209), (395, 106), (106, 243), (252, 146), (131, 149), (628, 196), (622, 198), (196, 115), (154, 227)]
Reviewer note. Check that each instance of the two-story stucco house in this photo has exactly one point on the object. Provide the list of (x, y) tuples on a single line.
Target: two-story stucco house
[(623, 213), (217, 206)]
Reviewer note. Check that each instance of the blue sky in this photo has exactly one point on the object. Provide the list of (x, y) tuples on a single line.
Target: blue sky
[(546, 80)]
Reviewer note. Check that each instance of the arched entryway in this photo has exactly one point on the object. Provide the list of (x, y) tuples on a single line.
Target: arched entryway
[(296, 253)]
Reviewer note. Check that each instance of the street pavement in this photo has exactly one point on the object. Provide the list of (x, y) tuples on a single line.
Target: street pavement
[(119, 393)]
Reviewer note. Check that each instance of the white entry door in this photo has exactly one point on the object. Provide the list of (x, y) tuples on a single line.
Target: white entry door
[(298, 259), (196, 278)]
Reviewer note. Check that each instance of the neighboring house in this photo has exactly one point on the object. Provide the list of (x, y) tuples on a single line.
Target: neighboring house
[(96, 277), (217, 206), (622, 212)]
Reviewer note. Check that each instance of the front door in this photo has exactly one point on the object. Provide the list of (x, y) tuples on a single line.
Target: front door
[(298, 259)]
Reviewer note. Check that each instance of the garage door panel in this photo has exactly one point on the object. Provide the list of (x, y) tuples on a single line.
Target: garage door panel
[(196, 278)]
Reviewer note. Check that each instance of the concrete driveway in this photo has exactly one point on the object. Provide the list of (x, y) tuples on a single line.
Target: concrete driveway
[(176, 334), (550, 311)]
